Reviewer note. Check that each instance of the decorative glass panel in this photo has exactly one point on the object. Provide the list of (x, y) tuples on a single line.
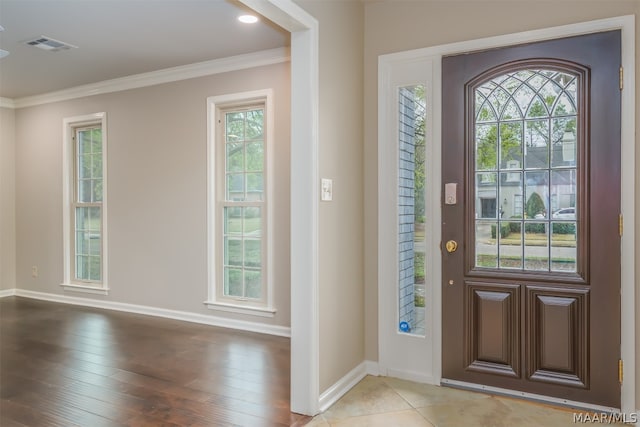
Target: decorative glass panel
[(511, 145), (411, 207), (526, 135), (486, 147), (510, 238)]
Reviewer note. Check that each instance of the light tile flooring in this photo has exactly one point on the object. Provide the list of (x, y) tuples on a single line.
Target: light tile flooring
[(390, 402)]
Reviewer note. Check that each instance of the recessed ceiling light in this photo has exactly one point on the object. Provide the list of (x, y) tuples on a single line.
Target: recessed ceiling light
[(248, 19), (3, 53)]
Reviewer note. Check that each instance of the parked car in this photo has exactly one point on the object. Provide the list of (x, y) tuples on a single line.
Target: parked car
[(565, 213)]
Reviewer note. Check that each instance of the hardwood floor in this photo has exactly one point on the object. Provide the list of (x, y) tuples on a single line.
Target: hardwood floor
[(65, 365)]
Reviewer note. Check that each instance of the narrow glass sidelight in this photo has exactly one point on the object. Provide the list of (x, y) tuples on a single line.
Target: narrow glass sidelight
[(411, 209), (525, 149)]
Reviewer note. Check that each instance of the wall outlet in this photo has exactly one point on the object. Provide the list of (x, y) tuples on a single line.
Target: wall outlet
[(34, 271)]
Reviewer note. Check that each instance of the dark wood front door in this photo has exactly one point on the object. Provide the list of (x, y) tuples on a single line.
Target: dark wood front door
[(531, 295)]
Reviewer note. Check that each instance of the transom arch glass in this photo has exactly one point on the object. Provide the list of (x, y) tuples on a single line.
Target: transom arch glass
[(526, 169)]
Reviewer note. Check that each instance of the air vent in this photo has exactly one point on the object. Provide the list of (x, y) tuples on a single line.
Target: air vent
[(52, 45)]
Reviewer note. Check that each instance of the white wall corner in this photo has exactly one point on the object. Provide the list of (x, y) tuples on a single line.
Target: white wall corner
[(372, 367), (342, 386)]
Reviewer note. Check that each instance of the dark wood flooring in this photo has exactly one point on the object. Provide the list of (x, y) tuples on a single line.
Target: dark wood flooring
[(65, 365)]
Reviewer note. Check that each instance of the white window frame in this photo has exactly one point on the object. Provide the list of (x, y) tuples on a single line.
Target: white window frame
[(69, 184), (215, 190)]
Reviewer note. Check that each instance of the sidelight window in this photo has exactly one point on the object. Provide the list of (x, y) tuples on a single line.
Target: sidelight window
[(411, 209)]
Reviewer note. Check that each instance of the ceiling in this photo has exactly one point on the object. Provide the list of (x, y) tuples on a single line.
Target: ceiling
[(118, 38)]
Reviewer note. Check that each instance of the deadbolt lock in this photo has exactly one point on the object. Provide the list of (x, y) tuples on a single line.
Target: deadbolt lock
[(451, 246)]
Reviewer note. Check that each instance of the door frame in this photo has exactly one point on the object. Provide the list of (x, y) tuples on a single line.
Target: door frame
[(305, 323), (387, 272)]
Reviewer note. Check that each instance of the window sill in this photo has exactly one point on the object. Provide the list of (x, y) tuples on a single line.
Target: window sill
[(241, 309), (85, 289)]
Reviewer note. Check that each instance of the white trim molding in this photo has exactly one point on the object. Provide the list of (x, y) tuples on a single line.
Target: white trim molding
[(342, 386), (215, 186), (186, 316), (68, 179), (305, 334), (200, 69), (85, 289), (241, 309), (7, 293), (7, 103)]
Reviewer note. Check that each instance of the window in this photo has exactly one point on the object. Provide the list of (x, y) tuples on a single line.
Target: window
[(239, 211), (526, 150), (84, 195), (411, 209)]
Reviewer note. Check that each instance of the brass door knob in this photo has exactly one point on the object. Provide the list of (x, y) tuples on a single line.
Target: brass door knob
[(451, 246)]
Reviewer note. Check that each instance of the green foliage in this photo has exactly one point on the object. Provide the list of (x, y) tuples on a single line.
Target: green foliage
[(534, 206), (505, 230), (419, 156), (487, 146), (563, 228), (535, 228), (418, 267)]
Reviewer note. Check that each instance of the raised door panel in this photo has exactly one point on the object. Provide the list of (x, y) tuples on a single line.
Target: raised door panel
[(557, 324), (492, 328)]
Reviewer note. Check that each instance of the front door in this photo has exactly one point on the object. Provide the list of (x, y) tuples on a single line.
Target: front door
[(531, 173)]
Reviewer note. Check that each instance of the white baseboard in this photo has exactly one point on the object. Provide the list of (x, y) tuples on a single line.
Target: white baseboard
[(342, 386), (372, 368), (414, 376), (7, 293), (159, 312)]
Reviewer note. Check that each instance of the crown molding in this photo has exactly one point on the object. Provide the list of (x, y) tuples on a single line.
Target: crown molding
[(7, 103), (200, 69)]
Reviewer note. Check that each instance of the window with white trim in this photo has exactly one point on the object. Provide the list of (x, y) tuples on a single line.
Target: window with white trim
[(84, 213), (239, 217)]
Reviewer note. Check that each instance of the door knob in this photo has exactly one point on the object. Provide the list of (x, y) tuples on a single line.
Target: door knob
[(451, 246)]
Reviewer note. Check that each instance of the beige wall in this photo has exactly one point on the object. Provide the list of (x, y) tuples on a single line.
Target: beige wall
[(7, 200), (404, 25), (157, 193), (341, 282)]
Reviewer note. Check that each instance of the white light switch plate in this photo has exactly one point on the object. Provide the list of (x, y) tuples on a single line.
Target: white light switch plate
[(327, 190)]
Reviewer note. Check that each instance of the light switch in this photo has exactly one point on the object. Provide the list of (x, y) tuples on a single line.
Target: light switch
[(327, 190)]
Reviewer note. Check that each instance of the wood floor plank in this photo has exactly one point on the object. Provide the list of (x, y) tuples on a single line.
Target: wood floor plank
[(64, 365)]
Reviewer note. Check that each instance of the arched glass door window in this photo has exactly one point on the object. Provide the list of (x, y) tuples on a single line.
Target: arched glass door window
[(526, 170)]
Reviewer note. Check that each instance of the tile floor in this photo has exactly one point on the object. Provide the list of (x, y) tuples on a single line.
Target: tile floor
[(390, 402)]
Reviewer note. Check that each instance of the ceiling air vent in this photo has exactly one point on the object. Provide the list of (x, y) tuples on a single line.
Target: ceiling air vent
[(47, 43)]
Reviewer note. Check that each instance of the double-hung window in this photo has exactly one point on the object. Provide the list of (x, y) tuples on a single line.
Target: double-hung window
[(239, 135), (85, 203)]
